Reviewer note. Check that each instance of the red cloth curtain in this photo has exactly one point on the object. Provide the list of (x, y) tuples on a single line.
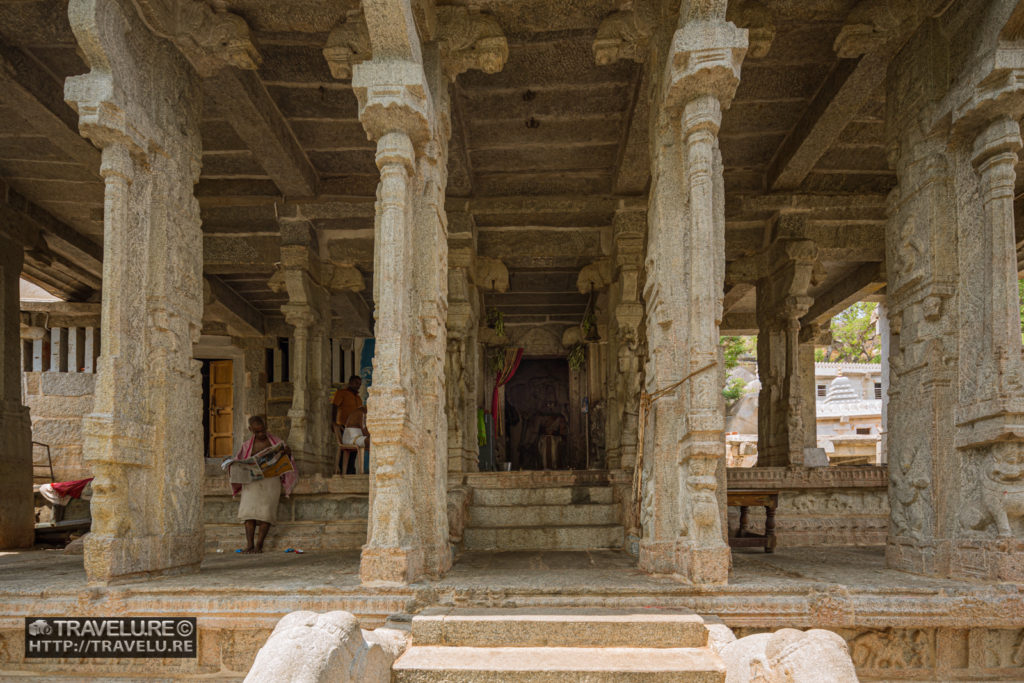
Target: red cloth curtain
[(508, 369)]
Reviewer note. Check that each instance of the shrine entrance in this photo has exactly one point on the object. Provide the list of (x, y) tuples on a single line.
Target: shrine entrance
[(543, 416)]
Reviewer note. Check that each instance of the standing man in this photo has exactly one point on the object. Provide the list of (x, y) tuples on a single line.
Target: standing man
[(345, 402), (258, 506)]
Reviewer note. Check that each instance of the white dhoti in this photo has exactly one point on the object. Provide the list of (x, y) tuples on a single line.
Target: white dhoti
[(353, 436), (259, 500)]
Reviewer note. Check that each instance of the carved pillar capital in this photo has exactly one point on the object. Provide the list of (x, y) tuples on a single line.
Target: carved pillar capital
[(394, 98), (704, 59), (995, 149)]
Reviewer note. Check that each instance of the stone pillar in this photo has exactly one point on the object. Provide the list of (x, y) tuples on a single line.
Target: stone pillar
[(308, 312), (781, 301), (683, 476), (404, 106), (17, 517), (255, 349), (140, 104), (885, 339), (462, 365), (956, 400), (625, 378), (808, 396)]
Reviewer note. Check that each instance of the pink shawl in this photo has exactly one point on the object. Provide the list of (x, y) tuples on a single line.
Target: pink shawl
[(288, 479)]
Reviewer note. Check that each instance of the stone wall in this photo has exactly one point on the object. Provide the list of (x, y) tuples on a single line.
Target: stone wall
[(321, 514), (57, 401)]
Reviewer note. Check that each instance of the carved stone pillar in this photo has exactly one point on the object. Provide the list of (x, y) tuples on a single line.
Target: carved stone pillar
[(683, 476), (140, 104), (781, 301), (625, 378), (17, 518), (462, 366), (404, 106), (956, 400), (308, 312)]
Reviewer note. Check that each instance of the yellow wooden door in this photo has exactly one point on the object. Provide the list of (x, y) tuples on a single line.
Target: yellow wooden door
[(222, 396)]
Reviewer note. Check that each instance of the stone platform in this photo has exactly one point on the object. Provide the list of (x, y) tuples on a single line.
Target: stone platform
[(899, 626)]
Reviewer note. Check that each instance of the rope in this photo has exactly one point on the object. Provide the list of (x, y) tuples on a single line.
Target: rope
[(646, 400)]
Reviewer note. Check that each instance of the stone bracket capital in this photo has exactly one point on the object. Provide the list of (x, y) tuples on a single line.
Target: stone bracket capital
[(992, 90), (394, 98), (347, 45), (213, 39), (299, 316), (1002, 136), (622, 35), (470, 40), (704, 59)]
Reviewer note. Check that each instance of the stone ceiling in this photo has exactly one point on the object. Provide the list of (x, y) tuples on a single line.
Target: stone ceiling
[(542, 153)]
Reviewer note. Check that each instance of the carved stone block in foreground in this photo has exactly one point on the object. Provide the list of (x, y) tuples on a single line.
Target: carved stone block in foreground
[(307, 647)]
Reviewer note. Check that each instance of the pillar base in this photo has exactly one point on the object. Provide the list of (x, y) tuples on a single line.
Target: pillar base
[(700, 566), (390, 566), (113, 559), (704, 566)]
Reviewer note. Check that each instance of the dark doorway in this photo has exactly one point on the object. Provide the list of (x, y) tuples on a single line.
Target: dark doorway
[(537, 401)]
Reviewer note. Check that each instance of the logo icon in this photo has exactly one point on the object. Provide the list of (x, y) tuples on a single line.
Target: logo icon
[(40, 627)]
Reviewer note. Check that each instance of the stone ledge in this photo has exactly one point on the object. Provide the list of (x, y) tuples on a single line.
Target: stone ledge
[(808, 477)]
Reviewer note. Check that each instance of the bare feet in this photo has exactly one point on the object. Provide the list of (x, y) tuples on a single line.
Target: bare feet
[(250, 550)]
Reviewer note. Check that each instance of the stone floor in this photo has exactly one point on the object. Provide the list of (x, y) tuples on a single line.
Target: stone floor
[(237, 600)]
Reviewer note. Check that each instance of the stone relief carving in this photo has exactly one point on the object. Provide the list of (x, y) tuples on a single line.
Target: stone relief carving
[(347, 45), (214, 39), (470, 40), (888, 649), (755, 17), (622, 35)]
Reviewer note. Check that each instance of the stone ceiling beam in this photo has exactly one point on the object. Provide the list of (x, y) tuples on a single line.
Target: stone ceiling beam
[(39, 100), (739, 324), (734, 294), (633, 163), (243, 100), (231, 307), (872, 33), (866, 280)]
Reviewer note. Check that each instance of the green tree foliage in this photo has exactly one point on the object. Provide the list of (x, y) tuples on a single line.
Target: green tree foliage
[(736, 348), (854, 337)]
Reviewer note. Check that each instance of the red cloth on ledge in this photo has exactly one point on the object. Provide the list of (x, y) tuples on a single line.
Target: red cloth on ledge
[(72, 489)]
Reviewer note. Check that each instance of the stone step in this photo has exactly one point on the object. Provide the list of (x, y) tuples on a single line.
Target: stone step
[(544, 537), (554, 495), (557, 664), (309, 536), (558, 627), (543, 515)]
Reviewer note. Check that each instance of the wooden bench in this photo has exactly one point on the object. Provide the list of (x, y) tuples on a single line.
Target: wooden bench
[(745, 498)]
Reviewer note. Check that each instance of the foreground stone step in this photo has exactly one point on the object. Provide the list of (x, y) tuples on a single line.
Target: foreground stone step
[(543, 515), (544, 537), (554, 495), (550, 664), (555, 627)]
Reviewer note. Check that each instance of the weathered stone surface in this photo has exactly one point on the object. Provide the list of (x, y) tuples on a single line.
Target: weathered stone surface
[(788, 655), (317, 648), (955, 382), (140, 103)]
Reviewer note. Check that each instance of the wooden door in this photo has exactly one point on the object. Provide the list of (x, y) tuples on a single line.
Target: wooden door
[(222, 396)]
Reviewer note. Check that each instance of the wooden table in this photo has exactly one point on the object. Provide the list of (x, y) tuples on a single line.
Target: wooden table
[(744, 498)]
